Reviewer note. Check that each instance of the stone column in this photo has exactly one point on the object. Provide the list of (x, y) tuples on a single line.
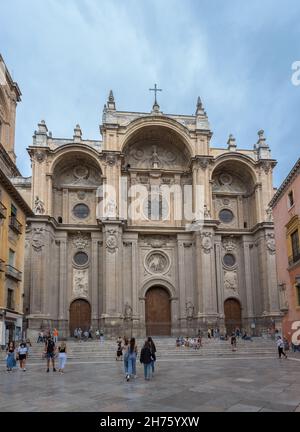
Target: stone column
[(95, 237), (112, 266), (249, 313), (219, 276)]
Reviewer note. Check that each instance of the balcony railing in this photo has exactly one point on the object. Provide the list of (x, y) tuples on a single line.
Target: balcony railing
[(2, 211), (13, 272), (15, 225)]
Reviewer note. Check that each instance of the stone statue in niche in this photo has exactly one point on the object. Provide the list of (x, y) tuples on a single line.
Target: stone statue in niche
[(155, 159), (111, 208), (189, 308), (271, 246), (128, 311), (269, 214), (39, 207), (230, 280)]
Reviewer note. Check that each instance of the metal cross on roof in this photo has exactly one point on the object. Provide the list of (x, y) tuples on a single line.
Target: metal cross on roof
[(155, 89)]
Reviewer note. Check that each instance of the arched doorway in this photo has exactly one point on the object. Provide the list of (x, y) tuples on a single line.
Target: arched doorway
[(80, 315), (158, 312), (233, 315)]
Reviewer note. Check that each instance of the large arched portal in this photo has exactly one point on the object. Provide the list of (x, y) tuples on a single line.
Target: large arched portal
[(233, 315), (158, 312), (80, 315)]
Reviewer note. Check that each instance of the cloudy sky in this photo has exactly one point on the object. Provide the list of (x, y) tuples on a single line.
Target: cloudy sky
[(237, 55)]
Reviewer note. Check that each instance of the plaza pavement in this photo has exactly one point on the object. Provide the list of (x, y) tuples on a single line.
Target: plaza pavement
[(211, 379)]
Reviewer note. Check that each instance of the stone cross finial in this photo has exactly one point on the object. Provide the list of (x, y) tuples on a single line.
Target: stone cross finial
[(155, 107)]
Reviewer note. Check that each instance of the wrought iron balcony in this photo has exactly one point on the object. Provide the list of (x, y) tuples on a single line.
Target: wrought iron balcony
[(13, 272), (2, 211), (15, 225)]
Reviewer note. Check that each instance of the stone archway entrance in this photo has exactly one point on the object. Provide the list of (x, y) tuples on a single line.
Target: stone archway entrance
[(80, 315), (158, 312), (233, 315)]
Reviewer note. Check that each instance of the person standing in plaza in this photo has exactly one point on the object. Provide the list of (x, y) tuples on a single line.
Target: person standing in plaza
[(22, 355), (125, 348), (119, 349), (146, 359), (233, 341), (280, 346), (132, 354), (55, 335), (79, 334), (153, 352), (10, 357), (50, 353), (62, 357), (76, 334)]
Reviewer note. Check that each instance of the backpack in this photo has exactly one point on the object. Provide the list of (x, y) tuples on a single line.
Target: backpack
[(50, 346)]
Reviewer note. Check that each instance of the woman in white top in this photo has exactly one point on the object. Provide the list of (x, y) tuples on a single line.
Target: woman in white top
[(22, 355)]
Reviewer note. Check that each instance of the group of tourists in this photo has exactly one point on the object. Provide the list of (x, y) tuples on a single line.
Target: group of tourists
[(189, 342), (44, 335), (20, 353), (128, 352), (87, 334)]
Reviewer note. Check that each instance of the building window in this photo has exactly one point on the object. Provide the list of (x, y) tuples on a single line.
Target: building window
[(81, 258), (295, 246), (10, 299), (81, 211), (229, 260), (11, 258), (156, 207), (290, 199), (298, 293), (13, 210), (226, 216)]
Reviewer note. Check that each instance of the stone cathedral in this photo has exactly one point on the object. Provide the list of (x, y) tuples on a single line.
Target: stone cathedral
[(90, 264)]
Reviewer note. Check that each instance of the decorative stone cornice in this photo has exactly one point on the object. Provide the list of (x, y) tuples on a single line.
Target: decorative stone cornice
[(295, 171)]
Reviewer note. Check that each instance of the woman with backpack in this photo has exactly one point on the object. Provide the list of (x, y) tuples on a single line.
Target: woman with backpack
[(146, 359), (132, 354), (153, 352)]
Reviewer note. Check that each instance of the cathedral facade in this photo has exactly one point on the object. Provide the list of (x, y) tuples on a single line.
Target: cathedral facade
[(149, 231)]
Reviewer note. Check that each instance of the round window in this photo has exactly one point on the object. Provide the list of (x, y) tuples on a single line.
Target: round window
[(81, 258), (81, 211), (229, 260), (226, 216)]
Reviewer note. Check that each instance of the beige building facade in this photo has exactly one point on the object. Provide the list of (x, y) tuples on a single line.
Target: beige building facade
[(13, 212), (150, 230)]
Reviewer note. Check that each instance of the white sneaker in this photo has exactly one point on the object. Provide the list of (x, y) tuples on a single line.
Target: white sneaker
[(24, 370), (135, 376), (127, 377)]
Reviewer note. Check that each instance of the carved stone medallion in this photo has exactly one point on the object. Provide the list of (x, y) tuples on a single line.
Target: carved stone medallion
[(157, 262)]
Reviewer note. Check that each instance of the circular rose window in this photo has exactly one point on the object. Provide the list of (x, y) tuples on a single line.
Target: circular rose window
[(229, 260), (226, 216), (81, 211), (81, 258)]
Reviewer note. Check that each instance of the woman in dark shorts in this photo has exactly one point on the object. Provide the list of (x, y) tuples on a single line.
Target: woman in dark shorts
[(22, 355)]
